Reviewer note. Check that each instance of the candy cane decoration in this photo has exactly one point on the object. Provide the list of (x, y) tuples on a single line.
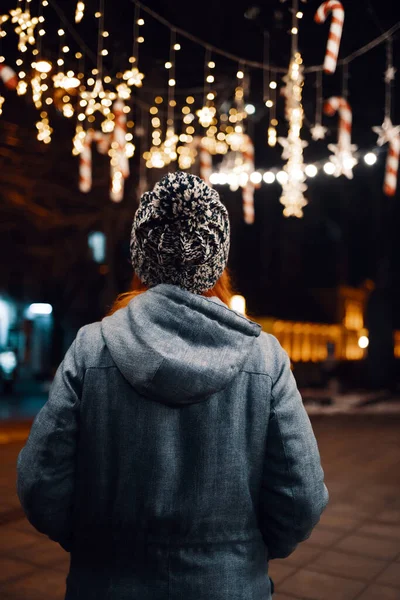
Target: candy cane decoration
[(119, 161), (85, 163), (343, 158), (390, 134), (335, 31), (248, 190), (9, 77), (392, 166)]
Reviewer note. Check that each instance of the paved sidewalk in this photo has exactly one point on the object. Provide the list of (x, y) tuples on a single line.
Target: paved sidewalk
[(353, 554)]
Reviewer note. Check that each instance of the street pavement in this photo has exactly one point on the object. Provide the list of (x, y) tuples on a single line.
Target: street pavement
[(353, 554)]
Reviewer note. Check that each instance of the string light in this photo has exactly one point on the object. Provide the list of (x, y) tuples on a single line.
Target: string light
[(292, 190), (272, 137), (42, 66), (370, 158), (79, 12), (44, 130), (25, 27), (269, 177), (329, 168), (311, 170)]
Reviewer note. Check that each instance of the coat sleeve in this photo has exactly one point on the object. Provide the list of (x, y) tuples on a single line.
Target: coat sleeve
[(293, 493), (46, 465)]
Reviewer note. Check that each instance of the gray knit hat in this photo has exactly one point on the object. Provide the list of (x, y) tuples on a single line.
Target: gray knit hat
[(180, 234)]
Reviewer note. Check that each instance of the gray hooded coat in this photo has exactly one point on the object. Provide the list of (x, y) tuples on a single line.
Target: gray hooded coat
[(174, 457)]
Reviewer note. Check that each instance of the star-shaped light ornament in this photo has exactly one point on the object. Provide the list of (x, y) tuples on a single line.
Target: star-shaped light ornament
[(387, 132), (206, 115), (390, 74), (97, 99), (25, 27), (124, 91), (318, 132), (133, 77), (343, 159)]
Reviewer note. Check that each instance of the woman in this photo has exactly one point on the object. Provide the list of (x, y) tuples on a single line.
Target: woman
[(174, 457)]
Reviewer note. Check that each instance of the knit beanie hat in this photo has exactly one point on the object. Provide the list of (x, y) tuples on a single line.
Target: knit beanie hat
[(180, 234)]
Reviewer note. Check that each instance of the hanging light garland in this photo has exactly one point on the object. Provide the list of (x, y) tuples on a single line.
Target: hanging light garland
[(25, 27), (318, 131), (208, 111), (387, 132), (132, 76), (293, 185), (3, 33), (163, 153), (223, 132)]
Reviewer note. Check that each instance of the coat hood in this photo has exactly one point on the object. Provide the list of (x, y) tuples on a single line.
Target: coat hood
[(177, 347)]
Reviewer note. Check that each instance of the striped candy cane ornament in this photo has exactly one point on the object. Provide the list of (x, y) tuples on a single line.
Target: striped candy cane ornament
[(392, 166), (85, 162), (9, 77), (335, 31), (337, 104), (343, 158), (248, 190), (119, 162)]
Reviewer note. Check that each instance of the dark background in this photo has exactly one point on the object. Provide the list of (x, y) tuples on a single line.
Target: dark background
[(347, 235)]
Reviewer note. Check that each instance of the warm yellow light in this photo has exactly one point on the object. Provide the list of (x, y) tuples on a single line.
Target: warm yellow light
[(299, 14), (273, 85), (295, 31), (177, 47), (168, 64), (329, 168), (363, 342), (240, 74), (61, 32), (171, 82), (256, 177), (104, 52), (238, 304), (43, 66), (140, 22), (190, 100)]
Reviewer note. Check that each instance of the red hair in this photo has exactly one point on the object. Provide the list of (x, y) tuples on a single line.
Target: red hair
[(222, 290)]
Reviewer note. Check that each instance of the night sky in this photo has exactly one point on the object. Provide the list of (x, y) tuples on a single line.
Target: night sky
[(347, 226)]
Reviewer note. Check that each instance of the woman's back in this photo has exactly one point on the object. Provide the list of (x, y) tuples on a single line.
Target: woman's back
[(174, 457)]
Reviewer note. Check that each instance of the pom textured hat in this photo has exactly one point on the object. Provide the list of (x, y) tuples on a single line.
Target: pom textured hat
[(180, 234)]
